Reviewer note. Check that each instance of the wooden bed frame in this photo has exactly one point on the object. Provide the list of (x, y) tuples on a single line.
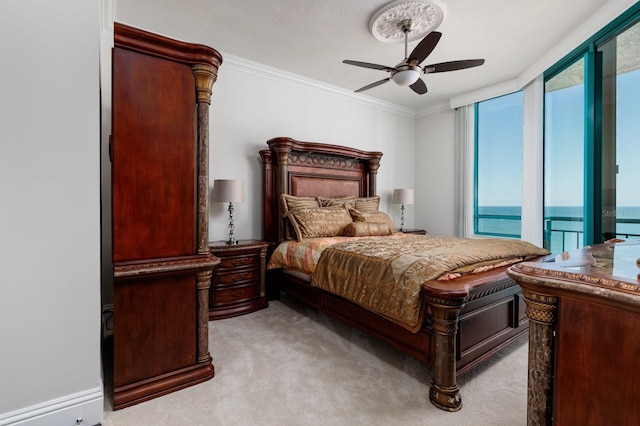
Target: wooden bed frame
[(468, 319)]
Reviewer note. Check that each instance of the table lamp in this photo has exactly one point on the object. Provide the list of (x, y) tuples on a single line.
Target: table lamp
[(229, 191), (402, 196)]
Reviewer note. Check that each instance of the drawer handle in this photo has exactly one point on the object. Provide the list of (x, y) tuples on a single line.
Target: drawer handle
[(240, 277), (236, 294)]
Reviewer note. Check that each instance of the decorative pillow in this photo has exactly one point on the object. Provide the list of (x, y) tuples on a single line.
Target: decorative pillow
[(348, 202), (380, 217), (319, 222), (290, 202), (366, 229), (368, 204)]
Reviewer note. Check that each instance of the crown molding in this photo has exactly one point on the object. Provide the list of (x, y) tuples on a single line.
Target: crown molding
[(433, 109), (250, 67), (605, 15)]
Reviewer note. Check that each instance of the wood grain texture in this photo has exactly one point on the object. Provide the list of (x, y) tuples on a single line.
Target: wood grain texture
[(159, 215)]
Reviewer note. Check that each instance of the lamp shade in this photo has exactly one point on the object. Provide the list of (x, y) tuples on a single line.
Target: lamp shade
[(403, 196), (228, 191)]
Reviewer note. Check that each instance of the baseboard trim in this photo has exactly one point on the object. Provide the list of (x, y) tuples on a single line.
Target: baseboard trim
[(83, 408)]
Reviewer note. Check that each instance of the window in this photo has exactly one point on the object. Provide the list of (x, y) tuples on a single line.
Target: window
[(498, 166)]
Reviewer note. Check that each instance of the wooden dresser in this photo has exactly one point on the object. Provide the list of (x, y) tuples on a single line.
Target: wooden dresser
[(584, 336), (238, 284), (159, 189)]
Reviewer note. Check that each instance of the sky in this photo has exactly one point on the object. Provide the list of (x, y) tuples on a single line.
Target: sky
[(501, 124), (564, 142), (500, 151)]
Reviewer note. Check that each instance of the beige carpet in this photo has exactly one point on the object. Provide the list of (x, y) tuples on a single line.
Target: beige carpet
[(290, 365)]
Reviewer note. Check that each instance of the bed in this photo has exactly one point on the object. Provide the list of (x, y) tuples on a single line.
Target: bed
[(464, 319)]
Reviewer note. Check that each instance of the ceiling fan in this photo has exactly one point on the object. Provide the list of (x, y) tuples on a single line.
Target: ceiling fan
[(407, 72)]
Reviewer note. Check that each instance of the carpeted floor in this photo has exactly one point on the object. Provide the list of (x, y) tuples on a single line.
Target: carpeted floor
[(290, 365)]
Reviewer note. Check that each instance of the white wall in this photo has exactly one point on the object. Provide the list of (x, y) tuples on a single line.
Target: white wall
[(50, 212), (435, 175), (247, 109)]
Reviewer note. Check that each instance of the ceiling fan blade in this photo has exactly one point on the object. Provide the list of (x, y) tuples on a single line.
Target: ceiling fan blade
[(453, 65), (419, 87), (372, 85), (425, 47), (368, 65)]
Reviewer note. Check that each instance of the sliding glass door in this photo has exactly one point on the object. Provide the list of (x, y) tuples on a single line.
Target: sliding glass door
[(619, 61), (564, 159), (592, 142)]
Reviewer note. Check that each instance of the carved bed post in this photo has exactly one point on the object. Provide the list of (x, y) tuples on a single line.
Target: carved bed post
[(444, 392), (373, 174), (282, 184), (205, 76), (542, 313)]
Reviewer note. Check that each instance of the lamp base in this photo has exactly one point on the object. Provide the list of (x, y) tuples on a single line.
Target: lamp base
[(232, 240)]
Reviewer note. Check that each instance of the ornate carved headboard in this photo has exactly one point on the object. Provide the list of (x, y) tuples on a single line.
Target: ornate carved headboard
[(308, 169)]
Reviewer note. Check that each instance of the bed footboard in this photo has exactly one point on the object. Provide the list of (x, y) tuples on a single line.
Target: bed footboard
[(468, 322), (469, 327)]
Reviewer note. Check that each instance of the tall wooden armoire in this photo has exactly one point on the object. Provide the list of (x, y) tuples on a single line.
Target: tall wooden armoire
[(159, 175)]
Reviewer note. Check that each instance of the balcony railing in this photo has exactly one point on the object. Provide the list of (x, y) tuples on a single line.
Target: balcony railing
[(561, 233)]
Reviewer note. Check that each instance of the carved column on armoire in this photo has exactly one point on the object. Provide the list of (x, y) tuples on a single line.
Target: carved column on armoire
[(205, 77), (162, 266), (542, 312)]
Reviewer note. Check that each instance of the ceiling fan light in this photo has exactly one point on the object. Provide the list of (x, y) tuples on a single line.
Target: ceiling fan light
[(406, 77)]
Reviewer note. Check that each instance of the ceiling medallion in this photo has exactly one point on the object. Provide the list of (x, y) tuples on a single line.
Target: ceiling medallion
[(425, 17)]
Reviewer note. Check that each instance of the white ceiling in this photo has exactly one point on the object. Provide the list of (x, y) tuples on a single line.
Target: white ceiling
[(310, 38)]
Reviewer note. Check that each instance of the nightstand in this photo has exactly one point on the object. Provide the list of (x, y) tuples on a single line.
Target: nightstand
[(414, 231), (238, 283)]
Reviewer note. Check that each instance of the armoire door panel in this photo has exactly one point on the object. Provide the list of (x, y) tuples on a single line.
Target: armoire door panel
[(163, 343), (154, 183)]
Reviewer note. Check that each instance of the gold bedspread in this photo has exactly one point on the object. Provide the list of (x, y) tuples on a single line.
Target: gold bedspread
[(399, 266), (301, 256)]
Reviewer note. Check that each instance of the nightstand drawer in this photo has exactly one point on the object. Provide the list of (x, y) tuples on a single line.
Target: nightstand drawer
[(238, 283), (236, 277), (238, 261), (235, 294)]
